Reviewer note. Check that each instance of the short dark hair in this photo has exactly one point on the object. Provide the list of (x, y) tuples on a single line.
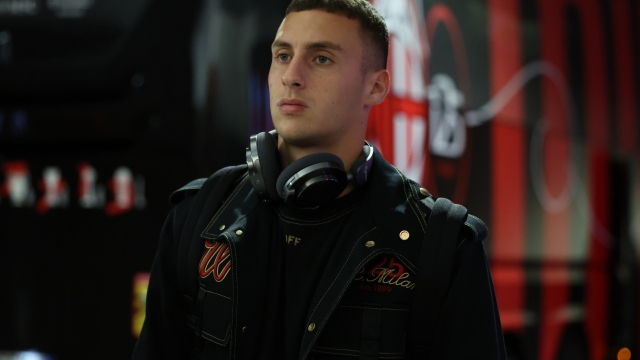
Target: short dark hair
[(373, 28)]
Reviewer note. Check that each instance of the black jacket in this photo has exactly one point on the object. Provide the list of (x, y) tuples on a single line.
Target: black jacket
[(227, 316)]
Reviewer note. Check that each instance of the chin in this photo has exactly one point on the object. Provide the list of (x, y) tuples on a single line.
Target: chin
[(292, 127), (300, 138), (296, 139)]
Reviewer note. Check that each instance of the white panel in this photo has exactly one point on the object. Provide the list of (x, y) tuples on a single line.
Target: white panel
[(409, 145)]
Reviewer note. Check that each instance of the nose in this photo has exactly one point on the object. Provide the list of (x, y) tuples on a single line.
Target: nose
[(294, 76)]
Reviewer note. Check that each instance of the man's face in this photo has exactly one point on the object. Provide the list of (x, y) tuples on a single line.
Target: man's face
[(315, 83)]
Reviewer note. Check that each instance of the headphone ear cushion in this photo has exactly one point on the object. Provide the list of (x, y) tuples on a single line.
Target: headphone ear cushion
[(335, 164), (267, 147)]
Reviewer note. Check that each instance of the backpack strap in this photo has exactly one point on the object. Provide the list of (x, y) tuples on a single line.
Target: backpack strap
[(214, 191), (475, 229), (434, 272)]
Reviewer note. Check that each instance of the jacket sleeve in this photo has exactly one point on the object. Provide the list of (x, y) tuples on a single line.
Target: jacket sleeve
[(469, 325), (165, 333)]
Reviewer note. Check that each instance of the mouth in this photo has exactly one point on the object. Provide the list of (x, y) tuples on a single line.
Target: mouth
[(292, 106)]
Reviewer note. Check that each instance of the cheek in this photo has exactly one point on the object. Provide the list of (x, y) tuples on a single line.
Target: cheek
[(272, 86), (273, 76), (349, 92), (270, 81)]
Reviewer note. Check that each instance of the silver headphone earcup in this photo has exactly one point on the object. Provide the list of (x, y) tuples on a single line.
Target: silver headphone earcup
[(263, 163), (362, 166), (312, 181)]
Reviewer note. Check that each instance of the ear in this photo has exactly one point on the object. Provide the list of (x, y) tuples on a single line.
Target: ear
[(378, 85)]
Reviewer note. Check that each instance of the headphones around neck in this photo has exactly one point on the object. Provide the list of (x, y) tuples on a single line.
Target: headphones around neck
[(308, 182)]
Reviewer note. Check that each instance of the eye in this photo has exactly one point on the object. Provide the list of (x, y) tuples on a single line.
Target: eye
[(323, 60), (283, 57)]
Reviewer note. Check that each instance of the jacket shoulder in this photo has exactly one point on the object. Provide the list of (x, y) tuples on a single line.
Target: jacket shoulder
[(190, 189), (194, 186)]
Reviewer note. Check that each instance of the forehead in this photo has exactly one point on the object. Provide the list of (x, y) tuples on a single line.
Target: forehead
[(313, 26)]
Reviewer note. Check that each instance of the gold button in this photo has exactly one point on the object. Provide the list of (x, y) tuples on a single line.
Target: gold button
[(404, 235), (238, 232), (245, 329), (222, 227), (369, 244), (424, 192), (311, 327)]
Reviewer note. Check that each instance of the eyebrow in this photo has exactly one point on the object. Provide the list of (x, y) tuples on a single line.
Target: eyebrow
[(320, 45)]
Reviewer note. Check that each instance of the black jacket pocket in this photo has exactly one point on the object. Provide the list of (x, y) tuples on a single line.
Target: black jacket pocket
[(366, 332), (216, 318)]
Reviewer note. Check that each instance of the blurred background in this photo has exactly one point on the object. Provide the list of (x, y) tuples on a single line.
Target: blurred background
[(524, 111)]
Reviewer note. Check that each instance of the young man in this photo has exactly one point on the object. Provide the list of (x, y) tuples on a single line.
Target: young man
[(326, 266)]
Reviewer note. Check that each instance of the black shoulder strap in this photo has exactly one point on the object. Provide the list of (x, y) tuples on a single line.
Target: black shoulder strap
[(217, 188), (434, 272), (213, 194)]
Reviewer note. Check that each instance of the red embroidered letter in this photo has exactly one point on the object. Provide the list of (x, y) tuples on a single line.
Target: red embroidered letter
[(221, 263)]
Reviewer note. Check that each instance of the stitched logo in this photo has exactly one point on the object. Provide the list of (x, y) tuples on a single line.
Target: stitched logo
[(215, 260), (385, 274), (290, 239)]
